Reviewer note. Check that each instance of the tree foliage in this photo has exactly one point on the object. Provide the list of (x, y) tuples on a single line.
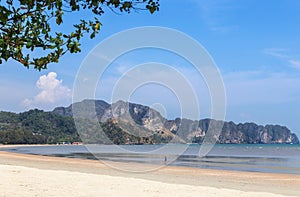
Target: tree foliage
[(26, 26), (36, 127)]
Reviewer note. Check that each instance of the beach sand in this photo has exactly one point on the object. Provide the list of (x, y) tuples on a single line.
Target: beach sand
[(33, 175)]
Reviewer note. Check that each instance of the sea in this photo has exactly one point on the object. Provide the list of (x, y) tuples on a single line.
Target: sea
[(270, 158)]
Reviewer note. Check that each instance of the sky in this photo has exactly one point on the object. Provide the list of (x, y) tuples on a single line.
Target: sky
[(255, 45)]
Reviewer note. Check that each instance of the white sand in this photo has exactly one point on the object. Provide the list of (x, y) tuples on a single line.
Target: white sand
[(34, 175), (25, 181)]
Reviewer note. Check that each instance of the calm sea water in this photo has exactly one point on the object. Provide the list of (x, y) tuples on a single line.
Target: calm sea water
[(258, 158)]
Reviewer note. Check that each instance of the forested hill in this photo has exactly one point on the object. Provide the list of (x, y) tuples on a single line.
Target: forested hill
[(36, 127), (40, 127)]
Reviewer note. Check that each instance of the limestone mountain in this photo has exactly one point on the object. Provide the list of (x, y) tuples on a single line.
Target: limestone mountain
[(149, 126)]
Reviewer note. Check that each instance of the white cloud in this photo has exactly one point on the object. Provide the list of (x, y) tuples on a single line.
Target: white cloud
[(277, 52), (282, 54), (51, 91), (295, 64)]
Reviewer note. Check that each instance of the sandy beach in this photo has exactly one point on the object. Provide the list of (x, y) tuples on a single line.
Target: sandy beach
[(33, 175)]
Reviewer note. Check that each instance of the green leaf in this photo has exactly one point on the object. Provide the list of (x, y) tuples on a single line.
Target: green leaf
[(93, 35)]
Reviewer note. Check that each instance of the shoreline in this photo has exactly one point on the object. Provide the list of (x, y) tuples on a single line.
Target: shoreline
[(159, 161), (245, 182)]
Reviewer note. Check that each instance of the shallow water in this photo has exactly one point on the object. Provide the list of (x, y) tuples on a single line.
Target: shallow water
[(258, 158)]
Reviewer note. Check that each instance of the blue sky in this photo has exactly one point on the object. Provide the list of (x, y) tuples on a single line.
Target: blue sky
[(255, 44)]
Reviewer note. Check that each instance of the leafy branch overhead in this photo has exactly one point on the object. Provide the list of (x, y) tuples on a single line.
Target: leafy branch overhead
[(26, 26)]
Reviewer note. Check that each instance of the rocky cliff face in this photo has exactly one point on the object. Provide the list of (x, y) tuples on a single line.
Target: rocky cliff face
[(134, 119), (142, 121), (249, 133)]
